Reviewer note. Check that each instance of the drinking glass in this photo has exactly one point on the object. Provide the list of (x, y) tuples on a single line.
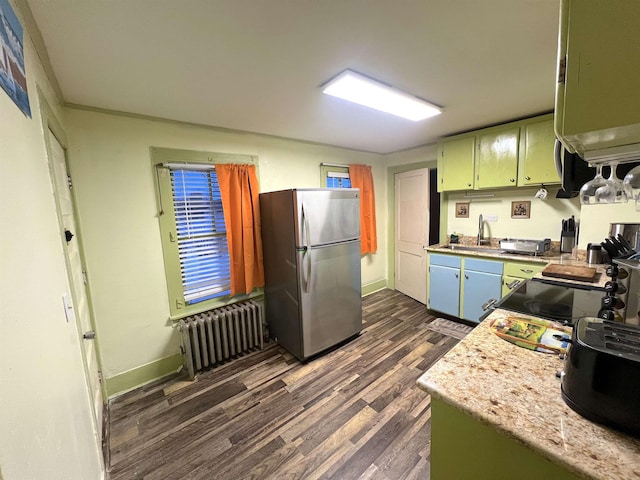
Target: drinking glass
[(632, 185), (588, 190), (613, 190)]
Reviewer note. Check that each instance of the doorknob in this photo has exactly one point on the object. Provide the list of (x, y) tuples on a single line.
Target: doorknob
[(90, 335)]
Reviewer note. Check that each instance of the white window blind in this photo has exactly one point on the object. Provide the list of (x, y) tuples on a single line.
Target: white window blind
[(201, 232), (338, 180)]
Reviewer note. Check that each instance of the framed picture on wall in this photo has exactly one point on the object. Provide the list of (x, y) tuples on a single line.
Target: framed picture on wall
[(462, 210), (521, 209)]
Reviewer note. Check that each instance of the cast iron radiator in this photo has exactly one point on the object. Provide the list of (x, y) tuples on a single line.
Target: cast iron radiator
[(221, 334)]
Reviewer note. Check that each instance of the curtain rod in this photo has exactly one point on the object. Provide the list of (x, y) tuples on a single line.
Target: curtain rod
[(333, 165), (189, 166)]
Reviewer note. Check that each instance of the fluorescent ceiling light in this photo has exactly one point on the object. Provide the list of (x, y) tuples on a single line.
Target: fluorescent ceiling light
[(359, 89)]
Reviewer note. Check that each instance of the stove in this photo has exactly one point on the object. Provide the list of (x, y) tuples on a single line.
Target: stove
[(562, 303)]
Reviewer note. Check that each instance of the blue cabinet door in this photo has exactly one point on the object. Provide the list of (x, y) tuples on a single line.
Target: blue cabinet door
[(444, 289), (479, 287)]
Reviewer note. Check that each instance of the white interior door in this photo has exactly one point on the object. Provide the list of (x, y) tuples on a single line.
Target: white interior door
[(412, 232), (77, 307)]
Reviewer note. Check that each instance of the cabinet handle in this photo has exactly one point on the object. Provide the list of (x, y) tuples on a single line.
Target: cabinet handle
[(527, 178), (526, 270), (468, 184), (513, 284), (457, 276), (466, 277), (512, 180), (489, 304)]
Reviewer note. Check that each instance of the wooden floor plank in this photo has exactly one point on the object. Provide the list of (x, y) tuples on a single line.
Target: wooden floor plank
[(352, 413)]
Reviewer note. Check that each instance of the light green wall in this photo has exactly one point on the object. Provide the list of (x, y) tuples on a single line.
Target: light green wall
[(45, 409), (596, 220), (114, 185), (545, 222)]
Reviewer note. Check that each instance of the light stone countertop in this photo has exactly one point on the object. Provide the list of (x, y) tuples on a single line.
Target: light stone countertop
[(551, 256), (516, 391)]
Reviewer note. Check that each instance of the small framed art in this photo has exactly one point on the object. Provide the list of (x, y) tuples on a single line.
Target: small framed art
[(462, 210), (521, 209)]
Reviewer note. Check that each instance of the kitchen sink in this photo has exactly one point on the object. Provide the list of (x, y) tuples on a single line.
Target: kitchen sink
[(467, 248)]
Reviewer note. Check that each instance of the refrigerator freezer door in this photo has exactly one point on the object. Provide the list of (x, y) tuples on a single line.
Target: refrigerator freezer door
[(327, 216), (331, 295)]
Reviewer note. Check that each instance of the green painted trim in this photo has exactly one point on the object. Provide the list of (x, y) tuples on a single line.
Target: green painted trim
[(486, 452), (50, 122), (325, 169), (391, 213), (257, 294), (178, 308), (462, 282), (444, 216), (373, 287), (139, 376)]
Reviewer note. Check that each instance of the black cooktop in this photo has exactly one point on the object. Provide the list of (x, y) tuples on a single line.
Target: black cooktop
[(552, 301)]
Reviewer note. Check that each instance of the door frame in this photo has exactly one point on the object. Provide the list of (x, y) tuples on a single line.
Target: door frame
[(50, 122), (391, 213), (414, 286)]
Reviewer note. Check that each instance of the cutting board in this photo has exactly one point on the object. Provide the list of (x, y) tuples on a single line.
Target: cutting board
[(569, 272)]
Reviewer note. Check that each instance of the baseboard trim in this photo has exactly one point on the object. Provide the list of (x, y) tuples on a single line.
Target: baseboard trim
[(136, 377), (139, 376), (373, 287)]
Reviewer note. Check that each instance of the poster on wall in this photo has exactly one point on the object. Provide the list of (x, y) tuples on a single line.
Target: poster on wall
[(13, 78)]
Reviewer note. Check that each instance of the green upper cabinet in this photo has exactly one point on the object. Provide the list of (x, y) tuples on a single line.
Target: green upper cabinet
[(597, 99), (497, 158), (456, 159), (536, 163), (515, 154)]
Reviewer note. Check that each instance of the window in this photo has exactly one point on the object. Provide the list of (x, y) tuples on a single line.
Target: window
[(192, 228), (335, 177), (201, 234)]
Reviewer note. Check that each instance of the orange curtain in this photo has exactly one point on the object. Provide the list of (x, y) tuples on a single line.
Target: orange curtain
[(361, 178), (239, 190)]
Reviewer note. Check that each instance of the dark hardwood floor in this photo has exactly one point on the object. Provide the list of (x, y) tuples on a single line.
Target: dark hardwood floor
[(354, 413)]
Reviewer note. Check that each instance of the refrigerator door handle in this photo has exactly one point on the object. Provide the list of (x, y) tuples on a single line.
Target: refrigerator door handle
[(307, 251)]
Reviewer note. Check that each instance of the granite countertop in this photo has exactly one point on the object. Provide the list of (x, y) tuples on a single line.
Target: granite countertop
[(494, 251), (551, 256), (516, 391)]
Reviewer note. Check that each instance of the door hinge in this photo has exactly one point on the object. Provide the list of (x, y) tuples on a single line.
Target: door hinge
[(179, 304), (84, 276), (172, 237), (562, 70), (69, 182), (100, 376)]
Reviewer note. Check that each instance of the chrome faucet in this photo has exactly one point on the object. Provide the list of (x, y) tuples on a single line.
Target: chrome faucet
[(481, 239)]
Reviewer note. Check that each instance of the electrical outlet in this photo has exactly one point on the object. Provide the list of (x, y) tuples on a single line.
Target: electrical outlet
[(491, 218)]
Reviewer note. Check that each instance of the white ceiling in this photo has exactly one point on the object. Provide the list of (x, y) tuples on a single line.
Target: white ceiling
[(257, 65)]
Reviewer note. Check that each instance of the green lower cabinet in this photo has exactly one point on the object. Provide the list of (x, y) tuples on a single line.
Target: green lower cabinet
[(464, 448), (510, 283), (515, 273)]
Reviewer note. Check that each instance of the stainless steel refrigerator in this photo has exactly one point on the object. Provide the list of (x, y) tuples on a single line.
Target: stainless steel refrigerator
[(311, 243)]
